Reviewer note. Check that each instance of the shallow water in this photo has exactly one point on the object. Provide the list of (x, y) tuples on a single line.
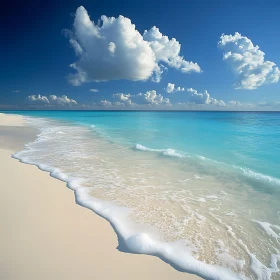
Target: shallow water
[(200, 190)]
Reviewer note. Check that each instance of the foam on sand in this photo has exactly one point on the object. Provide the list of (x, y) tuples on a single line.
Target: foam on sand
[(160, 205), (164, 152), (42, 224), (270, 230), (134, 242)]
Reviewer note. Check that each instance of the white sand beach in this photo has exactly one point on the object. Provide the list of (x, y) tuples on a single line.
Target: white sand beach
[(46, 235)]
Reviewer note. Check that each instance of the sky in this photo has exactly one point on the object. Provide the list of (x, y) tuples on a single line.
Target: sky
[(130, 55)]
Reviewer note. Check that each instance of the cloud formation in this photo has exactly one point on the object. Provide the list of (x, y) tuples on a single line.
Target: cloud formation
[(106, 103), (124, 99), (171, 88), (194, 97), (168, 51), (203, 98), (94, 90), (39, 99), (115, 50), (158, 102), (248, 62), (148, 98), (51, 100), (234, 103), (151, 97), (61, 100)]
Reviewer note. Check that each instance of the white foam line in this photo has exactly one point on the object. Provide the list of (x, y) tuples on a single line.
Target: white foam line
[(267, 227), (140, 243), (258, 176), (261, 271), (165, 152), (244, 171)]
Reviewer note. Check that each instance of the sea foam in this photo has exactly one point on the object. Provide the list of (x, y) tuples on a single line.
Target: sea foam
[(134, 242), (164, 152), (247, 172), (90, 167)]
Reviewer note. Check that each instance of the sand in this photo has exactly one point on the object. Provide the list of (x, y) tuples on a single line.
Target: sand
[(45, 235), (10, 120)]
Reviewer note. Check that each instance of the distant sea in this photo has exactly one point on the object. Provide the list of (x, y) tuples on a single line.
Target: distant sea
[(200, 190)]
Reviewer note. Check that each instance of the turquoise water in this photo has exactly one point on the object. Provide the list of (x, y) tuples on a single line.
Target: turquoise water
[(249, 139), (206, 184)]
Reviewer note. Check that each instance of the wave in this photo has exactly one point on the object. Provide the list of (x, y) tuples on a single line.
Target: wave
[(164, 152), (269, 229), (131, 239), (259, 177), (143, 148), (246, 172)]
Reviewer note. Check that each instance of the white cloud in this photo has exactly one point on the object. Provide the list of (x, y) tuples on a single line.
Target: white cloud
[(234, 103), (106, 103), (51, 100), (117, 104), (194, 97), (168, 51), (248, 62), (171, 88), (125, 99), (148, 98), (191, 99), (62, 100), (39, 99), (94, 90), (158, 70), (151, 97), (203, 98), (115, 50), (15, 91)]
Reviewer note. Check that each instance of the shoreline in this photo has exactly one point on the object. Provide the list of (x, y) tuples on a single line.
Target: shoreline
[(48, 235)]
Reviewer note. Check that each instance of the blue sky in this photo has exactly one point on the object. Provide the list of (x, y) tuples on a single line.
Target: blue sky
[(36, 53)]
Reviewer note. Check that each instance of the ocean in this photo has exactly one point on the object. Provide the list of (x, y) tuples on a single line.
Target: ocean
[(200, 190)]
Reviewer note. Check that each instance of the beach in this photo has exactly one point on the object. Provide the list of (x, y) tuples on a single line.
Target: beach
[(46, 235)]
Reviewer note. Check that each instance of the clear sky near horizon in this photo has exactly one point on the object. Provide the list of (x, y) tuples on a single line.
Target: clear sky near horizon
[(224, 55)]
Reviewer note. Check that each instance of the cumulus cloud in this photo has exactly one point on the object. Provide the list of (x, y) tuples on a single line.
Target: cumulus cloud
[(234, 103), (248, 62), (190, 98), (194, 97), (116, 50), (148, 98), (39, 99), (106, 103), (203, 98), (168, 51), (62, 100), (124, 99), (151, 97), (171, 88), (94, 90), (51, 100)]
